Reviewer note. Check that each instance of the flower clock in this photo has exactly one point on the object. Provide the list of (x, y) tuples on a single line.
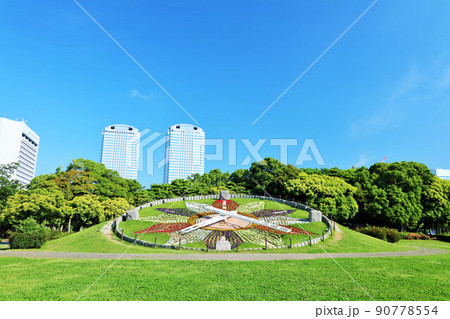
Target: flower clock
[(249, 223)]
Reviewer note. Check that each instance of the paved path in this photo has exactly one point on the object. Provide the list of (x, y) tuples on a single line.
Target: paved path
[(215, 256)]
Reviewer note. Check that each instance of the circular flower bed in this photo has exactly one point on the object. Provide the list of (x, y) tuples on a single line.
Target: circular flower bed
[(235, 230)]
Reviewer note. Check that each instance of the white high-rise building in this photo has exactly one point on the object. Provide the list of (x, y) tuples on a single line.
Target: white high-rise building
[(185, 152), (18, 143), (120, 150), (442, 173)]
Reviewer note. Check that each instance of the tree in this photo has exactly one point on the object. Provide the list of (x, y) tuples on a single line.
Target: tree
[(263, 176), (436, 206), (8, 186), (141, 197), (115, 207), (29, 225), (86, 211), (160, 191), (75, 183), (404, 184), (331, 195), (45, 209), (108, 182)]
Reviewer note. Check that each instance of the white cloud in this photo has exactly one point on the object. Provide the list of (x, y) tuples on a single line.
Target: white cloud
[(362, 161), (136, 94)]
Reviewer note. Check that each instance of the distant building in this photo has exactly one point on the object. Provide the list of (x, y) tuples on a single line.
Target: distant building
[(442, 173), (120, 150), (18, 143), (185, 152)]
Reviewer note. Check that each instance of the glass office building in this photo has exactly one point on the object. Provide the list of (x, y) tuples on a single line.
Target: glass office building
[(19, 144), (185, 152), (120, 150)]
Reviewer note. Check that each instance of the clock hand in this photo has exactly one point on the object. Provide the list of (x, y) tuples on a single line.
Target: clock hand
[(204, 223), (235, 214)]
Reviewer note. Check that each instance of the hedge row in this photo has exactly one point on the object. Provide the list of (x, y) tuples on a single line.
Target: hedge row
[(443, 237), (383, 233), (27, 240)]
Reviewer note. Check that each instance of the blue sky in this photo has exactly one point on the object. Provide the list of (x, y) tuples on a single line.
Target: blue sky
[(382, 90)]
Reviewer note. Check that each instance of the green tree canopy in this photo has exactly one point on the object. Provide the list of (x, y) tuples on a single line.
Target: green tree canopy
[(331, 195), (8, 187)]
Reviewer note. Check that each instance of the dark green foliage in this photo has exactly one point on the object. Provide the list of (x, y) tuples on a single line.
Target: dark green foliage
[(383, 233), (108, 183), (27, 240), (331, 195), (8, 187), (443, 237), (393, 235), (28, 234), (29, 225)]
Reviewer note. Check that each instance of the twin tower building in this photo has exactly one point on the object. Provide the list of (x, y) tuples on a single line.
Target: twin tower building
[(184, 151), (121, 150)]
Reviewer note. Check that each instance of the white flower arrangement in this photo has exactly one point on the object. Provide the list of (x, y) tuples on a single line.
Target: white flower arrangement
[(284, 220), (259, 237), (198, 207), (192, 237), (251, 207), (165, 218)]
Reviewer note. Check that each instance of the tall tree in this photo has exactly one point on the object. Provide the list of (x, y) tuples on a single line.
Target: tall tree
[(45, 209), (8, 186), (331, 195)]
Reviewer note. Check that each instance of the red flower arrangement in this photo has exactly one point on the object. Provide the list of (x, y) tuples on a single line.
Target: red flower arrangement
[(294, 230), (230, 204), (417, 236), (164, 228)]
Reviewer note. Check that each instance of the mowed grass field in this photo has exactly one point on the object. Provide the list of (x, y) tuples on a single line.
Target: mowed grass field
[(385, 278), (393, 278), (388, 278)]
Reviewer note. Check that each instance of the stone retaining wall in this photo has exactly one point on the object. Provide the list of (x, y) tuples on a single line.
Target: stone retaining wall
[(135, 212)]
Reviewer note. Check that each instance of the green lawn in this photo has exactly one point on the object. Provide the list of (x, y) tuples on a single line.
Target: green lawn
[(316, 228), (424, 244), (93, 240), (394, 278)]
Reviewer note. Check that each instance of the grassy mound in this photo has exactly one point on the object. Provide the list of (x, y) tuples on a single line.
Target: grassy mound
[(93, 240), (344, 241)]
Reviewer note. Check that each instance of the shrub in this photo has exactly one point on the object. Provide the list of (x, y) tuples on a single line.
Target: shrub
[(373, 231), (383, 233), (417, 236), (29, 234), (393, 235), (404, 234), (27, 240), (443, 237), (29, 225)]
